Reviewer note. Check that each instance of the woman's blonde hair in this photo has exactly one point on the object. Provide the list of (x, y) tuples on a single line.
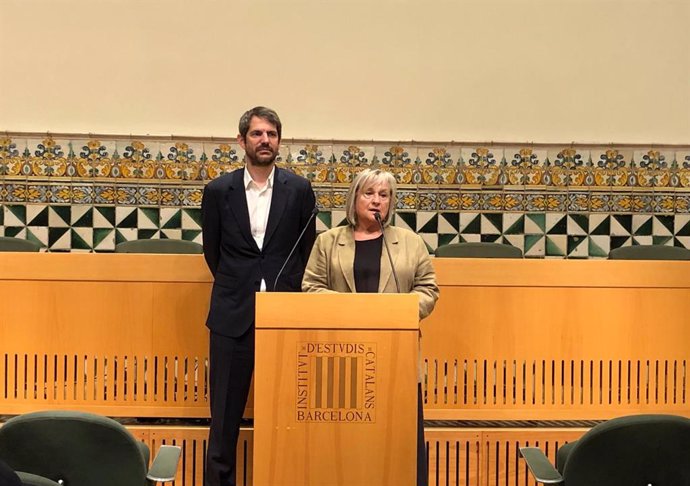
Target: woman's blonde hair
[(363, 181)]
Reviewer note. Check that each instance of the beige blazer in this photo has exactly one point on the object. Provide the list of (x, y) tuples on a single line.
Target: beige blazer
[(331, 265)]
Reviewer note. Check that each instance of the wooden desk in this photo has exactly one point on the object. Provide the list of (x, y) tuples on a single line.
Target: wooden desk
[(116, 334), (558, 339), (124, 335)]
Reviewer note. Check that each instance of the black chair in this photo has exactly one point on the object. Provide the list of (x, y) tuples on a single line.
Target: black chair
[(81, 449), (8, 243), (478, 250), (649, 252), (8, 477), (158, 246), (625, 451)]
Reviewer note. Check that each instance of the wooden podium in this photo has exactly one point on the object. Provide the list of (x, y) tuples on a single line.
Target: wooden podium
[(335, 389)]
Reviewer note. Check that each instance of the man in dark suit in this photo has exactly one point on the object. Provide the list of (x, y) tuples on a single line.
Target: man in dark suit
[(252, 217)]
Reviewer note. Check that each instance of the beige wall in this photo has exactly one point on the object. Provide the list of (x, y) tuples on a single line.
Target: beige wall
[(532, 70)]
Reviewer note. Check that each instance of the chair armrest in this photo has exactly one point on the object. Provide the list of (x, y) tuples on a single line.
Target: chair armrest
[(29, 479), (539, 465), (164, 464)]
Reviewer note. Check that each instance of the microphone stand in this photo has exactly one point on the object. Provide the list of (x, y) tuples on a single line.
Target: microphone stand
[(314, 212), (377, 215)]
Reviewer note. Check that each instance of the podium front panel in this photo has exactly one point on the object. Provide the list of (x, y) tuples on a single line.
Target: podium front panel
[(335, 407)]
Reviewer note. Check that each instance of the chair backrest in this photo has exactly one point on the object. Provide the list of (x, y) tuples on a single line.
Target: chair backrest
[(633, 450), (158, 246), (27, 479), (7, 476), (478, 250), (8, 243), (649, 252), (81, 449)]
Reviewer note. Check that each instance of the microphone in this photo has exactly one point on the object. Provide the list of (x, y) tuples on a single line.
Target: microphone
[(314, 212), (377, 215)]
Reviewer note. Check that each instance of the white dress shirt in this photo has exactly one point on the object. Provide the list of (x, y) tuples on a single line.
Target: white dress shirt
[(259, 204)]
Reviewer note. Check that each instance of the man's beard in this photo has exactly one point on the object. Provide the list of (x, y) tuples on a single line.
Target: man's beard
[(258, 161)]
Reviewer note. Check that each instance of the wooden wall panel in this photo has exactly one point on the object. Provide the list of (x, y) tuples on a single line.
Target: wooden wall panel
[(123, 335), (457, 456), (522, 339), (192, 440)]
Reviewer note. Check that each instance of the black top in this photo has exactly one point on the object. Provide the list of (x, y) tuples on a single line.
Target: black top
[(367, 266)]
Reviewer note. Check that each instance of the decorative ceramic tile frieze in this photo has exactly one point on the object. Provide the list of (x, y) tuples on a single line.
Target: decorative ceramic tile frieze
[(88, 193)]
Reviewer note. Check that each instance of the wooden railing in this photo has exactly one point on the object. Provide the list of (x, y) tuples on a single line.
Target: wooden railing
[(547, 339), (121, 335), (124, 335)]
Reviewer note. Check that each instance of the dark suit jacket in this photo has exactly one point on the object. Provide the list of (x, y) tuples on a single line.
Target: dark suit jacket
[(236, 262)]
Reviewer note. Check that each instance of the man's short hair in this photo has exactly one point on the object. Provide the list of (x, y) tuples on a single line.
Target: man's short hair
[(261, 112)]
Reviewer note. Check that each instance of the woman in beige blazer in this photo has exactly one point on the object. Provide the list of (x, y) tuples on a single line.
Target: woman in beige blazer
[(354, 258)]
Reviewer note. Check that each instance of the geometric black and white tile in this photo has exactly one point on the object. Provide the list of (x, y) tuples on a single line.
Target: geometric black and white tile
[(540, 235), (96, 228)]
